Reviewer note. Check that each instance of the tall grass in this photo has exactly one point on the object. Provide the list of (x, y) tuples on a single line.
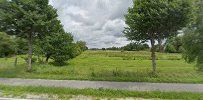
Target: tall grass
[(109, 66)]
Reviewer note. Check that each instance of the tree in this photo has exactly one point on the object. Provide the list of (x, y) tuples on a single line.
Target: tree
[(160, 45), (58, 46), (44, 45), (82, 45), (78, 48), (7, 45), (27, 19), (62, 48), (153, 19), (193, 39)]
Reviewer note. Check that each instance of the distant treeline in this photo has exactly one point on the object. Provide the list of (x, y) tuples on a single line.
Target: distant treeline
[(171, 45), (134, 46)]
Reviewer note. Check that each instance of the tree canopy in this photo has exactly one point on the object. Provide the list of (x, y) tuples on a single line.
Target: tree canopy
[(193, 39), (28, 19), (152, 19)]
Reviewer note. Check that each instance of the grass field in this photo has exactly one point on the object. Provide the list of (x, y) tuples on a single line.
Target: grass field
[(95, 94), (109, 66)]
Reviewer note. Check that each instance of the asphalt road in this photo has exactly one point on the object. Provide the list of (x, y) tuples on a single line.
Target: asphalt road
[(134, 86)]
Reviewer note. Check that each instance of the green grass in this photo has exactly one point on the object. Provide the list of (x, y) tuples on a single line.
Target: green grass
[(109, 66), (102, 93)]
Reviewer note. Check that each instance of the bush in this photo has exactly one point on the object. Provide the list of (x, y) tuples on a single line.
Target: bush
[(174, 45), (59, 47), (170, 49), (7, 45), (135, 47), (59, 59), (34, 59)]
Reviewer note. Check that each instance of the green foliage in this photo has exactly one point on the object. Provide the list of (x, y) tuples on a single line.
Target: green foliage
[(82, 45), (27, 19), (193, 46), (170, 48), (135, 47), (155, 18), (7, 45), (57, 46), (25, 58), (21, 45), (174, 45), (78, 48), (193, 39), (62, 47), (37, 23), (23, 17), (113, 48), (10, 45)]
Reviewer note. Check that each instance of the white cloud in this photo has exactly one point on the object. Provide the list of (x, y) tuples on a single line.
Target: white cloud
[(98, 22)]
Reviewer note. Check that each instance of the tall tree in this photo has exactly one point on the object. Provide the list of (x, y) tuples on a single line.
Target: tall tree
[(44, 45), (61, 47), (27, 19), (152, 19), (193, 39)]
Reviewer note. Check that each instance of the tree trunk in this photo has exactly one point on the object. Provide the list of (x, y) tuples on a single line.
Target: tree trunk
[(30, 52), (47, 58), (160, 45), (16, 61), (153, 55)]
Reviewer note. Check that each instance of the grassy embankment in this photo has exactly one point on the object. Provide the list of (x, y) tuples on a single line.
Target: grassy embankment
[(109, 66)]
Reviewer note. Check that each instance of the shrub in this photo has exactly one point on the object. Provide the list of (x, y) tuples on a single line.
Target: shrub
[(170, 48), (7, 45), (34, 59)]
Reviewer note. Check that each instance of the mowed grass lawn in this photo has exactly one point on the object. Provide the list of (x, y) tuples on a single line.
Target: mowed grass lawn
[(109, 66)]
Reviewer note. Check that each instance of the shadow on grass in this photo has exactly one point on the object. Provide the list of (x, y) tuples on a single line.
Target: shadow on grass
[(59, 64)]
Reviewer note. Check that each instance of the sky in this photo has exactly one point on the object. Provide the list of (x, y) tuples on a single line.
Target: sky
[(97, 22)]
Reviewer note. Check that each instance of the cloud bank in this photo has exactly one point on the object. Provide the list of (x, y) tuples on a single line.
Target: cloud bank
[(98, 22)]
